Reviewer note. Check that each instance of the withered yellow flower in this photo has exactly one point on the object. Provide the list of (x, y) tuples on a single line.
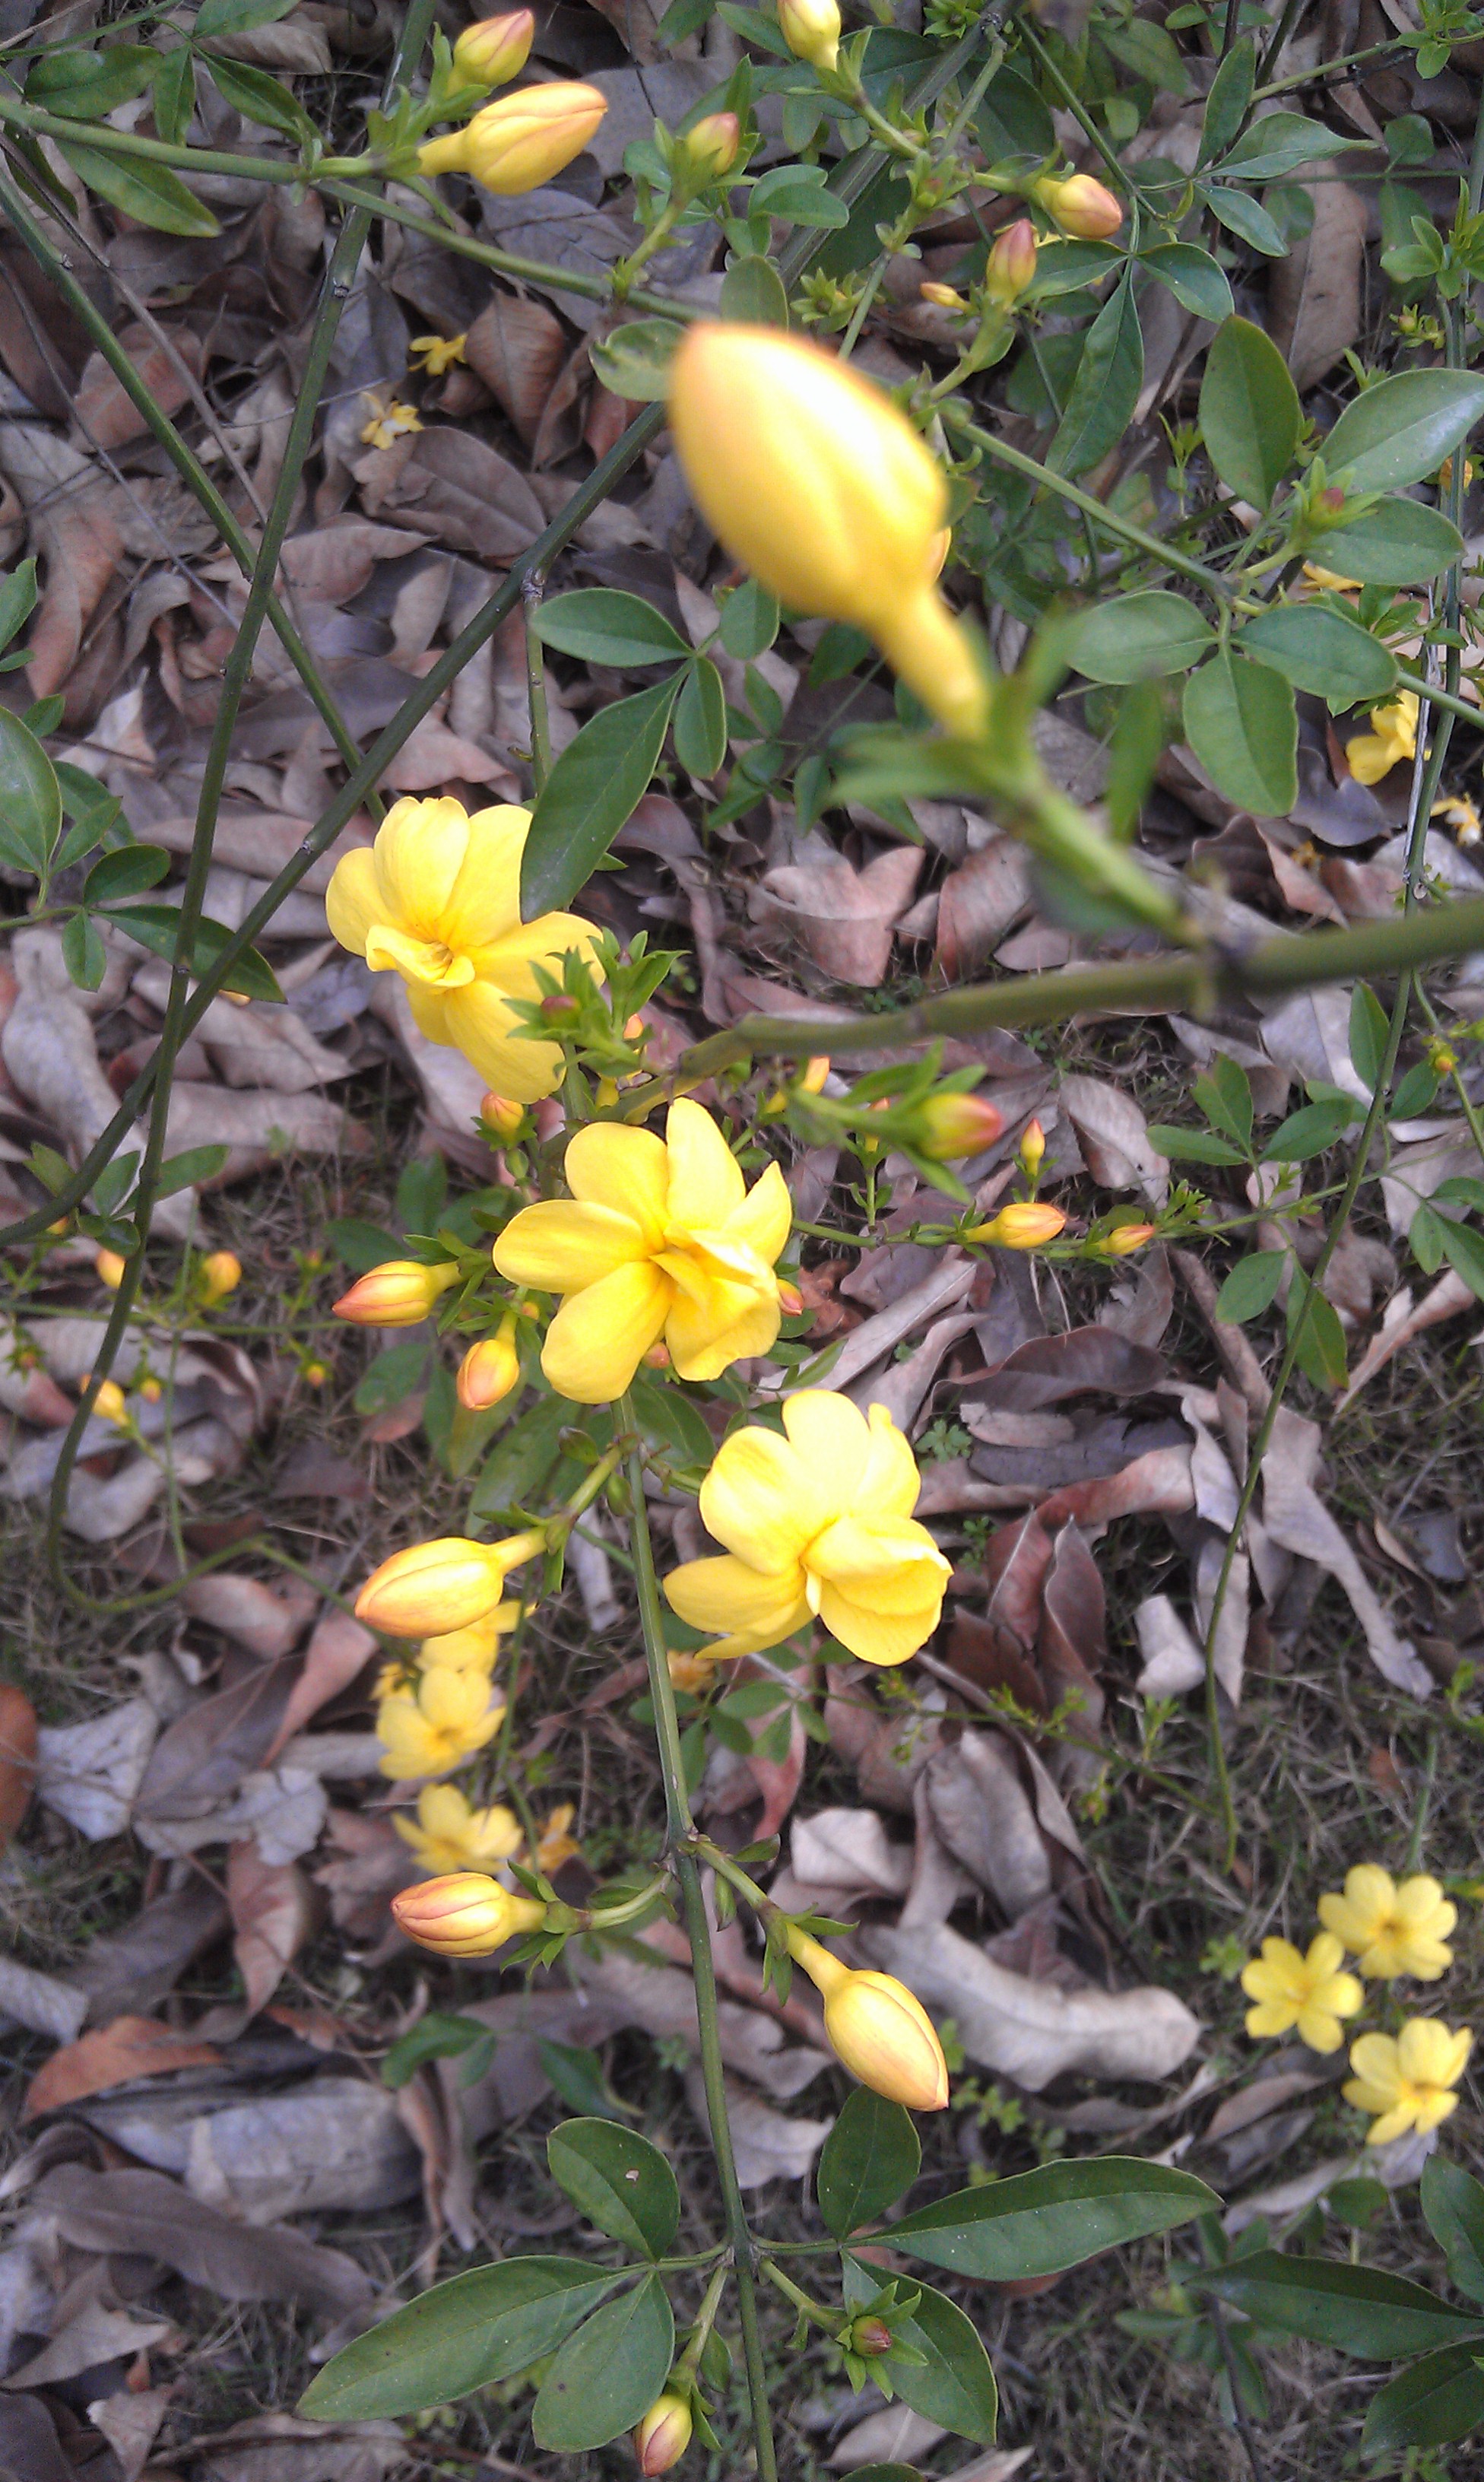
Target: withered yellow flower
[(1309, 1992), (877, 2027), (448, 1834), (1391, 1930), (1407, 2079), (436, 898), (434, 355), (818, 1523), (661, 1236)]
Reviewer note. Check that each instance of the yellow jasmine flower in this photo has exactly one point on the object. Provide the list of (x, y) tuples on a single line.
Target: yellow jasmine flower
[(661, 1236), (465, 1914), (450, 1835), (1462, 816), (817, 1522), (387, 418), (554, 1844), (473, 1648), (1020, 1226), (1309, 1992), (522, 141), (436, 898), (1392, 1930), (432, 1729), (1393, 736), (1408, 2080), (435, 353)]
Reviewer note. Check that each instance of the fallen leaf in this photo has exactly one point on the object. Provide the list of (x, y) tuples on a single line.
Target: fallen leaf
[(1295, 1516), (29, 2451), (338, 1651), (130, 2422), (1172, 1660), (842, 918), (203, 1756), (265, 1619), (517, 347), (976, 905), (1314, 290), (768, 2144), (19, 1744), (142, 1963), (272, 1908), (280, 2447), (1051, 1368), (39, 2002), (145, 2216), (91, 1773), (892, 2437), (131, 2046), (1400, 1322), (105, 411), (849, 1853), (983, 1817), (94, 2335), (1114, 1137)]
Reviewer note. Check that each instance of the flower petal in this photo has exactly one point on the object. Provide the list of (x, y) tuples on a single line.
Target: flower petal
[(736, 1325), (725, 1595), (765, 1218), (890, 1482), (891, 1562), (600, 1335), (419, 849), (832, 1439), (561, 1246), (625, 1169), (352, 900), (764, 1500), (706, 1180), (1319, 2028), (480, 1025), (508, 961), (484, 902), (1374, 2059), (1395, 2123), (871, 1634)]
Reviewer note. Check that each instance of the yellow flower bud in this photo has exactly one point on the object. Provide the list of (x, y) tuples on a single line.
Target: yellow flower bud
[(219, 1274), (943, 297), (663, 2435), (811, 29), (815, 1072), (108, 1269), (490, 1369), (501, 1117), (1019, 1228), (434, 1587), (496, 49), (464, 1914), (957, 1124), (151, 1390), (1127, 1238), (109, 1403), (1011, 266), (1032, 1148), (315, 1374), (877, 2027), (813, 479), (708, 152), (1080, 205), (398, 1293), (790, 1300), (515, 145)]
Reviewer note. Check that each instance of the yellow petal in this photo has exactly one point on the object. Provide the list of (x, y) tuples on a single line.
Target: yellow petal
[(1433, 2108), (890, 1482), (419, 850), (352, 900), (418, 961), (891, 1562), (1395, 2122), (725, 1595), (737, 1325), (1374, 2059), (706, 1183), (626, 1170), (1319, 2028), (764, 1500), (875, 1636), (1423, 1906), (599, 1337), (1270, 2017), (483, 903), (479, 1024), (765, 1218), (508, 961), (561, 1246), (831, 1437)]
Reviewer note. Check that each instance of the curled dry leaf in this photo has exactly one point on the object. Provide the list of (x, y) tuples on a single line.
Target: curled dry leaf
[(273, 1907), (1400, 1322), (980, 1811), (1295, 1516), (767, 2145), (1172, 1660), (131, 2046), (1114, 1137), (91, 1773), (39, 2002), (130, 2421), (842, 918), (93, 2336), (892, 2437), (339, 1650)]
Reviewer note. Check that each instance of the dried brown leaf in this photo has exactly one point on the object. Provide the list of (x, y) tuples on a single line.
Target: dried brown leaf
[(1314, 290), (18, 1757), (146, 2215), (339, 1650), (1114, 1137), (517, 346), (842, 918), (273, 1907), (131, 2046)]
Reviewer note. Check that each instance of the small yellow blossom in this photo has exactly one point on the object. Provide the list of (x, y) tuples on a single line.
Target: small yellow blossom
[(438, 353), (110, 1404), (1309, 1992), (1018, 1227), (1463, 817), (1393, 736), (108, 1267), (473, 1648), (661, 1236), (218, 1273), (1392, 1930), (450, 1835), (554, 1843), (389, 418), (811, 29), (1408, 2079), (818, 1523), (1125, 1238), (434, 1728), (400, 1292)]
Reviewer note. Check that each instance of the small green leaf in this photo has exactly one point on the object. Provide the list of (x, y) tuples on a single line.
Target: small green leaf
[(83, 952), (30, 798), (1037, 2222), (870, 2158), (473, 2331), (236, 16), (607, 2376), (1355, 2308), (1251, 1285), (621, 2182), (173, 100), (433, 2037), (150, 193), (752, 292), (1269, 149), (1414, 1092), (1241, 723), (1104, 392), (1225, 1096), (1463, 1247), (750, 621), (1371, 1035), (1398, 542), (1400, 431), (157, 928), (604, 626), (1440, 2398), (576, 2075), (595, 786), (1316, 1334), (1425, 1235), (1245, 217), (796, 194), (1140, 637), (635, 360), (394, 1376), (17, 600), (258, 96), (953, 2384), (1453, 2204), (1193, 1146), (1321, 651), (1249, 413), (193, 1165), (1231, 93), (1309, 1131), (1197, 281), (700, 720), (128, 872)]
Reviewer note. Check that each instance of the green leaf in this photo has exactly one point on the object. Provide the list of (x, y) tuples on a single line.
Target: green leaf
[(83, 952), (1355, 2308), (394, 1376), (1012, 119), (1036, 2223), (953, 2384), (1399, 432), (193, 1165), (236, 16), (750, 621), (1269, 149), (700, 720), (1453, 2204), (157, 928), (128, 872), (1415, 1092), (30, 798), (1242, 724), (1249, 413), (1464, 1250), (433, 2037), (1149, 51), (607, 2376), (258, 96), (150, 193), (1191, 1145), (576, 2075), (671, 1422), (471, 2333), (595, 786), (604, 626), (361, 1245), (1309, 1131), (752, 291), (516, 1471), (17, 600), (1067, 266), (1251, 1285), (797, 194), (1424, 1234), (635, 360), (1462, 1191), (1245, 217), (621, 2182), (1139, 637), (1371, 1035), (1104, 393), (870, 2158), (1226, 104), (1197, 281), (1398, 542), (1439, 2398), (1321, 651), (174, 94), (87, 86), (1318, 1339), (1225, 1096)]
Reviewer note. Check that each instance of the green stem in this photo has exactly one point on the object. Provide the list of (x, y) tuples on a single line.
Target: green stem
[(1040, 53), (509, 262), (680, 1827), (533, 587), (690, 2360)]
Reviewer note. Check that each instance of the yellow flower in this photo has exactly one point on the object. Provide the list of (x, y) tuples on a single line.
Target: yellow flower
[(432, 1729), (1462, 816), (811, 29), (1392, 1930), (814, 479), (490, 1369), (398, 1293), (663, 2436), (108, 1267), (450, 1835), (1309, 1992), (110, 1404), (1019, 1228), (817, 1522), (1126, 1238), (1315, 575), (877, 2027), (1079, 205), (436, 354), (1408, 2080), (387, 419), (554, 1844), (515, 145), (436, 898), (495, 50), (218, 1273), (950, 1125), (432, 1588), (1393, 736), (465, 1915), (661, 1237), (473, 1648)]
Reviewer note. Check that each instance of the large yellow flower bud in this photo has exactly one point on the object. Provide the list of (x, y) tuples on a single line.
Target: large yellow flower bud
[(957, 1124), (1080, 205), (515, 145), (811, 29), (663, 2436), (1019, 1228), (813, 479), (496, 49), (465, 1915), (877, 2027), (432, 1588), (398, 1293)]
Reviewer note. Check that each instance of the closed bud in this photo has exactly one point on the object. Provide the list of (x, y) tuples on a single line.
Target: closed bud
[(957, 1124), (501, 1117), (811, 29), (496, 49), (151, 1390), (943, 297), (219, 1274), (1019, 1228), (558, 1008), (109, 1403), (313, 1374), (708, 152), (398, 1293), (790, 1300), (522, 141), (869, 2336), (435, 1587), (108, 1267), (1011, 267), (815, 1072), (663, 2436), (1032, 1148), (1080, 205), (465, 1914), (1127, 1238), (490, 1369), (877, 2027)]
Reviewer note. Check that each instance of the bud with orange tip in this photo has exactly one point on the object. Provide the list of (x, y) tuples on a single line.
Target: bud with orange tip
[(490, 1369), (956, 1125), (1126, 1238), (108, 1267), (877, 2026), (663, 2436), (790, 1300), (398, 1293), (811, 29), (496, 49), (520, 142), (218, 1275), (1011, 267), (1032, 1148), (432, 1588), (706, 153), (501, 1117), (1080, 205), (1019, 1228), (465, 1914), (867, 2336)]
